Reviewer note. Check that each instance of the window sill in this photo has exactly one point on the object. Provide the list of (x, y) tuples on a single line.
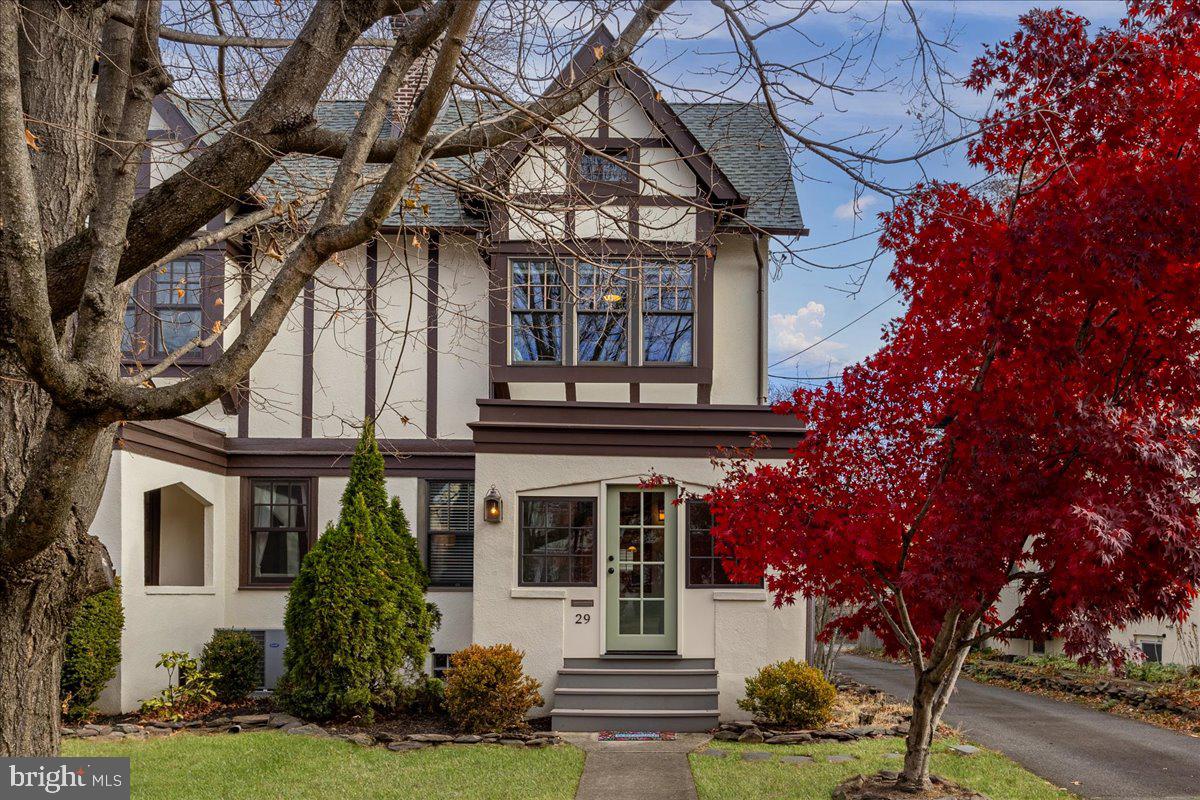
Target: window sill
[(743, 595), (203, 590), (601, 373), (537, 593), (271, 587)]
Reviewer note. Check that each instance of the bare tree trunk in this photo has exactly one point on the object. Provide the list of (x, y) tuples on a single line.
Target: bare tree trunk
[(36, 607), (38, 597)]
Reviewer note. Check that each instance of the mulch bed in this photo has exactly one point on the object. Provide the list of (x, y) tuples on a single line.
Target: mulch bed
[(882, 786)]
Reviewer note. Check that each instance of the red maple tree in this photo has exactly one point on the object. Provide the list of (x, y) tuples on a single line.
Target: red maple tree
[(1029, 422)]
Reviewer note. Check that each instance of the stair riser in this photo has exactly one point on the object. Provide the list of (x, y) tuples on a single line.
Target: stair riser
[(617, 680), (567, 722), (639, 663), (638, 702)]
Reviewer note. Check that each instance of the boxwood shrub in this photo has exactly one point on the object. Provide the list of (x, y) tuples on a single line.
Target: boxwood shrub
[(791, 694), (235, 658)]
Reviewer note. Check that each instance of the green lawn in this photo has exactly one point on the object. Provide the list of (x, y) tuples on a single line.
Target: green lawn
[(730, 778), (260, 766)]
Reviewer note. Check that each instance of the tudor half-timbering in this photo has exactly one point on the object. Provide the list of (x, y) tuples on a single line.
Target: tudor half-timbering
[(549, 352)]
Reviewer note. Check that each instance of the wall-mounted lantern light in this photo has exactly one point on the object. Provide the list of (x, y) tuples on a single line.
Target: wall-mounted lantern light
[(493, 508)]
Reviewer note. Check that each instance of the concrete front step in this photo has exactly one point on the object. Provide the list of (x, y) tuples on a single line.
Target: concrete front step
[(570, 678), (578, 719), (663, 662), (641, 699)]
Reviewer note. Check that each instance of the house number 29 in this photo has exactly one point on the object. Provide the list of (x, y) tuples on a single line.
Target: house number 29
[(583, 619)]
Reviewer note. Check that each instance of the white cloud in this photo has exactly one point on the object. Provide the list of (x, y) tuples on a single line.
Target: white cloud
[(801, 330), (854, 209)]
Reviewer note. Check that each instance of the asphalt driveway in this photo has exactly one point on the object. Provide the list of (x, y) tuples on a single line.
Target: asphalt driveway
[(1088, 752)]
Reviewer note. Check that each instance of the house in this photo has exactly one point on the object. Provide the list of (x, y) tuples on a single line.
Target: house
[(539, 363)]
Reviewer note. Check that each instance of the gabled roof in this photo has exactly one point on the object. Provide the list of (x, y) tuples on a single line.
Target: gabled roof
[(736, 150)]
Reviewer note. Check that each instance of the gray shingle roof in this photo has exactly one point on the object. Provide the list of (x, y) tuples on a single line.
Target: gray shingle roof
[(740, 137), (749, 149)]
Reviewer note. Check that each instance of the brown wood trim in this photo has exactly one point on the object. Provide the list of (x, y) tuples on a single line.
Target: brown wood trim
[(309, 344), (601, 428), (372, 337), (431, 335), (687, 559), (192, 445), (175, 441), (603, 111), (522, 502), (635, 392), (244, 487), (569, 392), (445, 459), (600, 373), (681, 138)]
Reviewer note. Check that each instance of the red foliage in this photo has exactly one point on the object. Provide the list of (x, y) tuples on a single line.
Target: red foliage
[(1030, 419)]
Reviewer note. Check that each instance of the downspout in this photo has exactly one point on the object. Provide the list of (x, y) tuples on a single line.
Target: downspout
[(762, 319)]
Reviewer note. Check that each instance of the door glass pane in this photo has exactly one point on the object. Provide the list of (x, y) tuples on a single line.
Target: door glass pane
[(630, 544), (653, 616), (652, 580), (630, 580), (630, 617), (655, 508), (652, 544), (631, 508)]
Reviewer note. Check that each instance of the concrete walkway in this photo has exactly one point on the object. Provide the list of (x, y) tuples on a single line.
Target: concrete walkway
[(1090, 753), (636, 770)]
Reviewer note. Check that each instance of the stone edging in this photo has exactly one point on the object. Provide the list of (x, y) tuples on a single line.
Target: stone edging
[(286, 723), (1139, 696)]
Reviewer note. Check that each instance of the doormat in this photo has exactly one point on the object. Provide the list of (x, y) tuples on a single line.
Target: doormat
[(636, 736)]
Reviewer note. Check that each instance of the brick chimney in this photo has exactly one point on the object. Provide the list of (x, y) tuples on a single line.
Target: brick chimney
[(412, 85)]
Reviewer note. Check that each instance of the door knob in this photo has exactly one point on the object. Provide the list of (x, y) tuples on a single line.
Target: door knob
[(611, 570), (610, 558)]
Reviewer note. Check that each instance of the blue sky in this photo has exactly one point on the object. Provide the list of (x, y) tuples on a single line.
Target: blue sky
[(809, 303)]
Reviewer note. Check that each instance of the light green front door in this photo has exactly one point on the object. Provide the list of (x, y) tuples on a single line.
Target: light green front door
[(640, 576)]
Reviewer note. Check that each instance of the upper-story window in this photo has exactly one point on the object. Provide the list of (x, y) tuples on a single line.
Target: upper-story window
[(537, 312), (622, 313), (171, 306), (177, 310), (602, 314), (667, 313), (608, 171)]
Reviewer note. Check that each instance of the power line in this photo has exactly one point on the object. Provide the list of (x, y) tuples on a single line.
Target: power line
[(824, 339), (800, 378)]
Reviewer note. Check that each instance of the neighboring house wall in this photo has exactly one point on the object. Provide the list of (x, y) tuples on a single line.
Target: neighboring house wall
[(1163, 636)]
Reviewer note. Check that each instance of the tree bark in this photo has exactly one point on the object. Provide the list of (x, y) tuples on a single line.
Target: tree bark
[(39, 596), (935, 684)]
